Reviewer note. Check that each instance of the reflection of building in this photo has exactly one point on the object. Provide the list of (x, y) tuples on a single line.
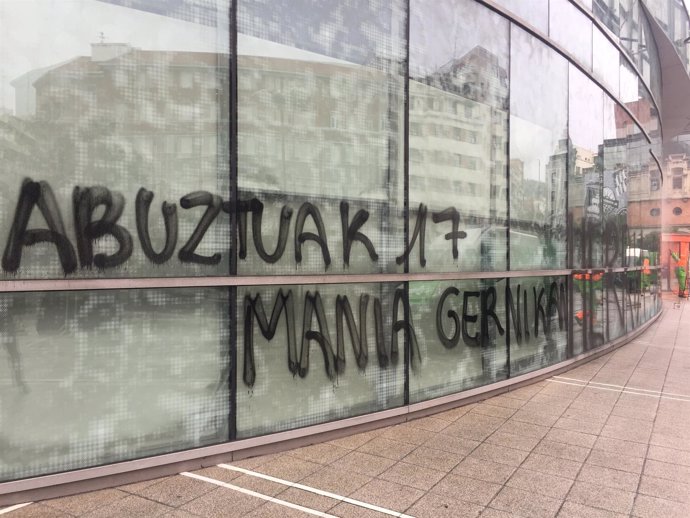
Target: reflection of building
[(458, 133), (124, 110), (320, 126), (310, 126), (584, 185)]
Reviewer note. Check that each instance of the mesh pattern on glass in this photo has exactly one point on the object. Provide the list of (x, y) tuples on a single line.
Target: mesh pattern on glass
[(89, 378), (291, 381), (143, 104), (320, 96)]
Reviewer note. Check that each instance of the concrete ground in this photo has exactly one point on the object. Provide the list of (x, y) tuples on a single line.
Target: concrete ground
[(610, 438)]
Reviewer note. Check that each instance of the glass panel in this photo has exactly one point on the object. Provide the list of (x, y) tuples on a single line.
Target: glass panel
[(651, 288), (648, 60), (588, 311), (640, 197), (461, 327), (345, 359), (614, 304), (96, 377), (320, 143), (572, 29), (133, 119), (606, 60), (536, 12), (458, 135), (630, 32), (673, 20), (618, 127), (586, 125), (538, 154), (538, 314), (633, 301), (608, 12)]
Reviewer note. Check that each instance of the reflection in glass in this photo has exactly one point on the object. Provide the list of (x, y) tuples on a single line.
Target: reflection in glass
[(606, 60), (312, 354), (96, 377), (614, 304), (607, 11), (143, 104), (535, 12), (625, 164), (572, 30), (586, 125), (630, 31), (538, 322), (462, 340), (320, 120), (538, 154), (588, 311), (458, 134), (672, 17)]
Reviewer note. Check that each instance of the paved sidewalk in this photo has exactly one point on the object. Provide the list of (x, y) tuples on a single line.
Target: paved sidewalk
[(608, 439)]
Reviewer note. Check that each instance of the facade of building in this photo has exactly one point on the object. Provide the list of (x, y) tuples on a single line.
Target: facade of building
[(225, 223)]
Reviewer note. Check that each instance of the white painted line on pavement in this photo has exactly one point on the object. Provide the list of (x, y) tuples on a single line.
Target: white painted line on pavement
[(257, 495), (321, 492), (618, 390), (624, 387), (13, 508)]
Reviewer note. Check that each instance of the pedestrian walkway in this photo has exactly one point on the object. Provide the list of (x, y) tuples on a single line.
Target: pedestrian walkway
[(610, 438)]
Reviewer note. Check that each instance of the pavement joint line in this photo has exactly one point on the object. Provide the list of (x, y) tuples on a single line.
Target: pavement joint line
[(622, 391), (661, 392), (314, 490), (13, 508), (257, 495)]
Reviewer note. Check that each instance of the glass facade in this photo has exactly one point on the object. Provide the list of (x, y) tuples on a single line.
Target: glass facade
[(229, 218)]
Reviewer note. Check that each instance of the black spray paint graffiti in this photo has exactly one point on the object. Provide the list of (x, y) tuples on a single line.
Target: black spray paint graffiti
[(387, 352), (528, 312), (86, 202)]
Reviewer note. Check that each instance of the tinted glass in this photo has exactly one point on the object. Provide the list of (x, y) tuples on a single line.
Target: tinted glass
[(311, 354), (117, 140), (462, 336), (607, 11), (536, 12), (320, 145), (586, 127), (572, 30), (458, 135), (111, 376), (605, 62), (538, 154), (538, 322)]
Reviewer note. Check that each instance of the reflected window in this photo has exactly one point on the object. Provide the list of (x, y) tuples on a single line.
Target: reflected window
[(677, 178), (458, 190), (320, 121), (119, 116)]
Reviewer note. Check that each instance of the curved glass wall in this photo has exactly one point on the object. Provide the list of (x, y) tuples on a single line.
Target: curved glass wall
[(221, 219)]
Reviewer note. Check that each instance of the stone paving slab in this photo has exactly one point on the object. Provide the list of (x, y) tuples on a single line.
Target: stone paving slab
[(607, 439)]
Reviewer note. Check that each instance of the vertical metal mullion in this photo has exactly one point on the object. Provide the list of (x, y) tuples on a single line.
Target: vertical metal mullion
[(507, 166), (569, 230), (406, 194), (234, 197)]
